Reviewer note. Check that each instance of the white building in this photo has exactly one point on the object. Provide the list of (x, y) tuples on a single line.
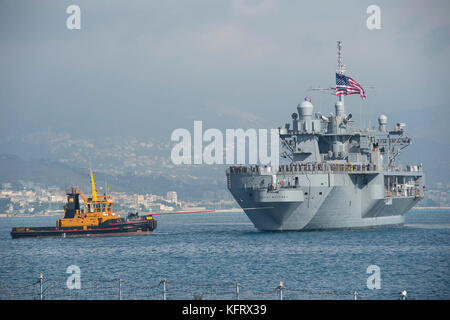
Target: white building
[(172, 196)]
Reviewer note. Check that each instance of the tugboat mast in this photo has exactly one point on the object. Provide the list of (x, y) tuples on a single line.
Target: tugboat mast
[(94, 191)]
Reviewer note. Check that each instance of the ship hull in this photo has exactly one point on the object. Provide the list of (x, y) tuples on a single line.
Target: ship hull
[(320, 202), (324, 219), (143, 227)]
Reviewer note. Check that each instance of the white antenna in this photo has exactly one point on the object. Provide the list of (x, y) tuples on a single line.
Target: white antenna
[(341, 66), (330, 90)]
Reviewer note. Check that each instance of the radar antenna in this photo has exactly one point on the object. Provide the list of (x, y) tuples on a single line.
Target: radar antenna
[(341, 66), (340, 70)]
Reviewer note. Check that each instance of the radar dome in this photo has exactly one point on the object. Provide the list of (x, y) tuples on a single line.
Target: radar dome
[(305, 109), (382, 119)]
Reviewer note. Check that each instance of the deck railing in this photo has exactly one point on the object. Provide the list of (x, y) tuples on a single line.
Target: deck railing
[(310, 168)]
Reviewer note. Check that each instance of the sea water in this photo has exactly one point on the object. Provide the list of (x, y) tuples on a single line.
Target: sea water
[(205, 255)]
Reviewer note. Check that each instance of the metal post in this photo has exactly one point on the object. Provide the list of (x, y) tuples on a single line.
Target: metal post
[(280, 287), (237, 290), (41, 282), (403, 295), (120, 289), (164, 288)]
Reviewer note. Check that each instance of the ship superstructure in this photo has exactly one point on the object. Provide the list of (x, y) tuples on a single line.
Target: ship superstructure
[(337, 176)]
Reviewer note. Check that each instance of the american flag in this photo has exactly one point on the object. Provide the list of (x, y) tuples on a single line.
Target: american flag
[(346, 85)]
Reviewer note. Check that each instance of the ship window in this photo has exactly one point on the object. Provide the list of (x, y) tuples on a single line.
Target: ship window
[(320, 193), (306, 193)]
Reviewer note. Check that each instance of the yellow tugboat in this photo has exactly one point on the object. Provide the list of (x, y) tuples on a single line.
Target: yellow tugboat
[(96, 219)]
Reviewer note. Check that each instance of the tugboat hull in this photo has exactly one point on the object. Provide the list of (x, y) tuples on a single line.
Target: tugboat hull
[(140, 227)]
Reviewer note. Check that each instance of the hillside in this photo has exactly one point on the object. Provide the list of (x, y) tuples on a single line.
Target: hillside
[(18, 171)]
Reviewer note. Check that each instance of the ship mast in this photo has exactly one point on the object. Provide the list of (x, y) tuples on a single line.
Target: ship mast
[(341, 66)]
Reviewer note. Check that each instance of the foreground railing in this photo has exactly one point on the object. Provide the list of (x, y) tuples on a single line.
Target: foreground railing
[(119, 289)]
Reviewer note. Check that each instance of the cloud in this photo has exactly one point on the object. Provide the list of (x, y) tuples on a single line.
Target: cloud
[(222, 37), (233, 41), (437, 41), (254, 7)]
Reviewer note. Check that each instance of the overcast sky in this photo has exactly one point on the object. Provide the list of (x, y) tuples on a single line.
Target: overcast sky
[(145, 68)]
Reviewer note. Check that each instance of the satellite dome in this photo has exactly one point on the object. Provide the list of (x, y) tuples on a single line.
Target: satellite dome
[(382, 119), (305, 109)]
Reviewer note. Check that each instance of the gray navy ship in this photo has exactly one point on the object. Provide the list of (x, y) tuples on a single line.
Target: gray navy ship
[(337, 176)]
